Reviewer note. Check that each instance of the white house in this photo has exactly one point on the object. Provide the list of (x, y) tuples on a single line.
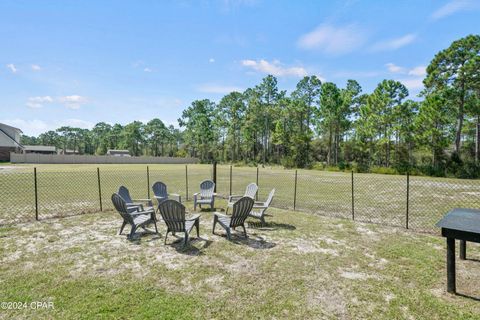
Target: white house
[(118, 153), (39, 149), (9, 141)]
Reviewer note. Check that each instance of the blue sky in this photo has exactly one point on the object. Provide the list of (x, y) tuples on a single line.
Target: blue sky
[(81, 62)]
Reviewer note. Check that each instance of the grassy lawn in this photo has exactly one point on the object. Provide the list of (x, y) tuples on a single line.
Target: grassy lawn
[(72, 189), (300, 266)]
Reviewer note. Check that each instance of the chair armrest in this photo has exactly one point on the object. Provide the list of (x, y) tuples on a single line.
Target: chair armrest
[(234, 197), (175, 195), (259, 203), (220, 214), (132, 209), (148, 201), (134, 205), (138, 213), (259, 207), (194, 217)]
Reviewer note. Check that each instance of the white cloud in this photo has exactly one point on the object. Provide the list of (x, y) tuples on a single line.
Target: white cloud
[(274, 68), (12, 67), (214, 88), (147, 70), (35, 127), (73, 101), (412, 84), (419, 71), (29, 127), (394, 44), (334, 40), (38, 102), (36, 67), (393, 68), (452, 7), (77, 123), (211, 60)]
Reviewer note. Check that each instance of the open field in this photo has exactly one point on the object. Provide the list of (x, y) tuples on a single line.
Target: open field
[(300, 266), (72, 189)]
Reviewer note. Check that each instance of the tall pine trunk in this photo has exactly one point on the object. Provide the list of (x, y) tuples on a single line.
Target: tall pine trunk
[(477, 140), (329, 156), (460, 116)]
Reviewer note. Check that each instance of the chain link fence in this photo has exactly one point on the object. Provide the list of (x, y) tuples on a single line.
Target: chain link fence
[(404, 201)]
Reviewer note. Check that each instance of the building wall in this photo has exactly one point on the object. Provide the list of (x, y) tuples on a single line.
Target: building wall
[(80, 159), (5, 153), (6, 141)]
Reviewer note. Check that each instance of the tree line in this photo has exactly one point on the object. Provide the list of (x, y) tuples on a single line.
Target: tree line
[(153, 138), (322, 124)]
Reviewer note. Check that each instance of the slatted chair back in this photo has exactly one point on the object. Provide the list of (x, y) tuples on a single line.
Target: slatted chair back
[(125, 194), (160, 190), (241, 209), (121, 207), (173, 213), (207, 188), (251, 190), (270, 198)]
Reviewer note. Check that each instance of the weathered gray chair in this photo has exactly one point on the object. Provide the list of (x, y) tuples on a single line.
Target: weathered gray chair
[(250, 191), (259, 208), (206, 195), (138, 203), (132, 216), (173, 213), (241, 209), (160, 192)]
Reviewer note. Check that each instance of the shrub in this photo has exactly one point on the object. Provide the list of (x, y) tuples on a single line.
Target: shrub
[(383, 170)]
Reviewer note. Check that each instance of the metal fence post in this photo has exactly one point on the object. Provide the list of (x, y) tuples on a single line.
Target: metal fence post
[(148, 182), (256, 195), (214, 175), (186, 182), (408, 200), (99, 189), (230, 192), (353, 201), (295, 192), (36, 192)]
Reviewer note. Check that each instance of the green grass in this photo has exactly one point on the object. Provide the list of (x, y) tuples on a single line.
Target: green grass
[(300, 266), (72, 189)]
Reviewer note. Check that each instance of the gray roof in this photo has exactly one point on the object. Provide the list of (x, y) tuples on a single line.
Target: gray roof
[(118, 151), (39, 148), (6, 125)]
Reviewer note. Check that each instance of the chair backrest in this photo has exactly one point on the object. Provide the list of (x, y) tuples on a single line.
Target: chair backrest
[(160, 190), (241, 209), (121, 207), (270, 198), (173, 213), (251, 190), (125, 194), (206, 189)]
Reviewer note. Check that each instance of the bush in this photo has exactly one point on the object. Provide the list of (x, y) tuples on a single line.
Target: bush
[(288, 162), (383, 170), (333, 168), (469, 170), (318, 166)]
